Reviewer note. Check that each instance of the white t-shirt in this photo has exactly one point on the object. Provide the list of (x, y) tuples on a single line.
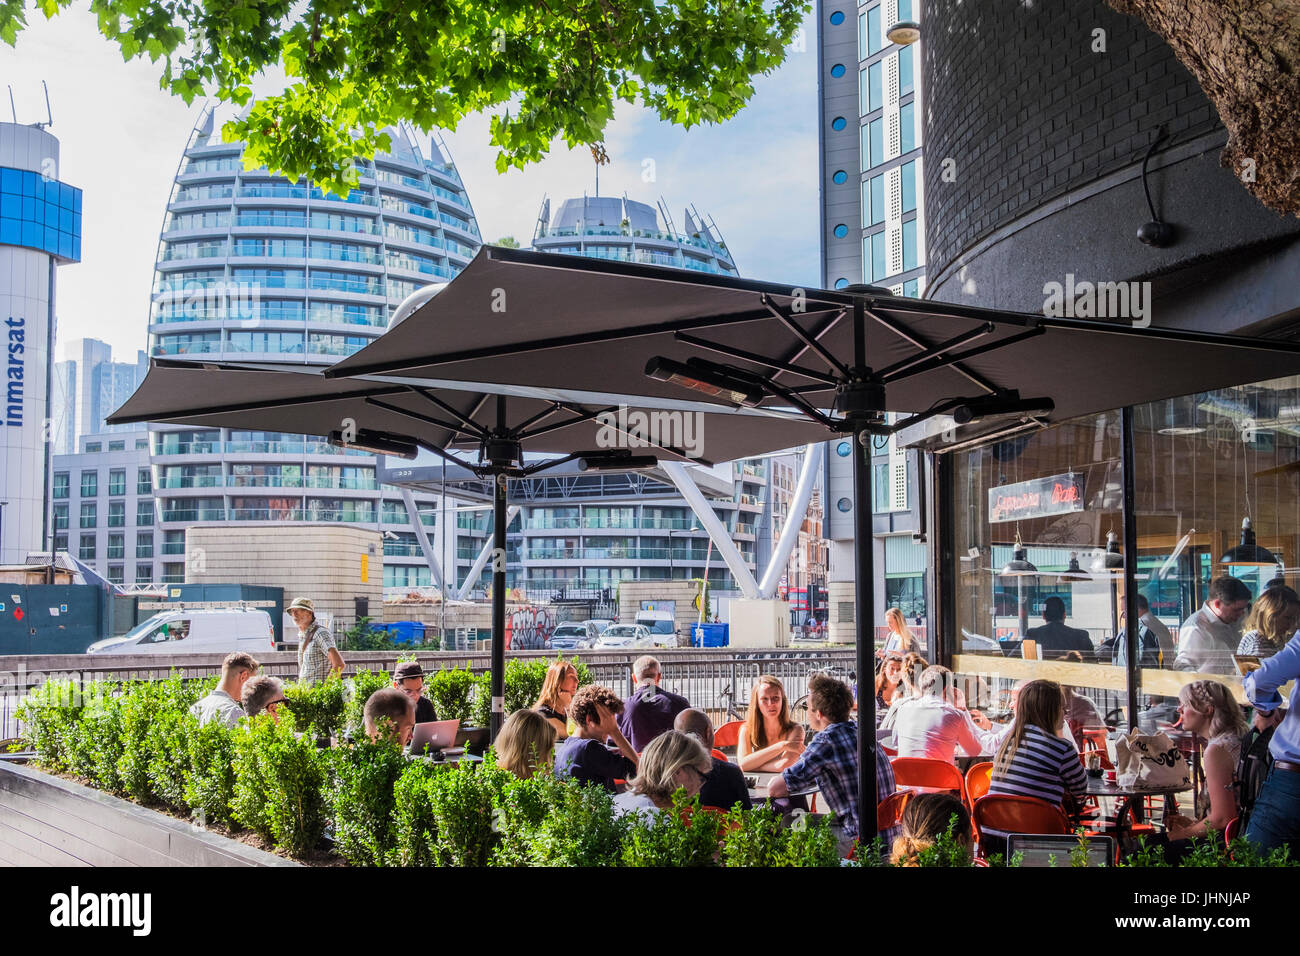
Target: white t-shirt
[(930, 727), (629, 802), (218, 706)]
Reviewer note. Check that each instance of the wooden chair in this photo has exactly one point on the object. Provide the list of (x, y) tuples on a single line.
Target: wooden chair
[(929, 773)]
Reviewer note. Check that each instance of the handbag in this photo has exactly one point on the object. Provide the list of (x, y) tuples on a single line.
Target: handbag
[(1150, 760)]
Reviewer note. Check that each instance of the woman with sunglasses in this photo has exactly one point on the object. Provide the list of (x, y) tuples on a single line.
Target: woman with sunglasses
[(672, 761)]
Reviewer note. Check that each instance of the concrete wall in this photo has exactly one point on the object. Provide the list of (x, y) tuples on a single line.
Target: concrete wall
[(315, 561), (682, 593), (48, 821)]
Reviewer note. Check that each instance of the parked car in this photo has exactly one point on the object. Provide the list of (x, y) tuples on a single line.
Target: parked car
[(661, 626), (625, 636), (574, 635), (195, 632), (601, 623)]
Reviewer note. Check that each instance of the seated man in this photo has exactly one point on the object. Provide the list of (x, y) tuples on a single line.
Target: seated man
[(830, 761), (725, 785), (584, 756), (264, 694), (409, 679), (223, 703), (390, 712), (1054, 638), (650, 710), (1209, 638)]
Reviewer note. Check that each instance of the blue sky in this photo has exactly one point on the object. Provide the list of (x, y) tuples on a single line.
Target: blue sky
[(121, 140)]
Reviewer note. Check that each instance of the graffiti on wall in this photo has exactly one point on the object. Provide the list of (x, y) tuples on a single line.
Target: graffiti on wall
[(529, 628)]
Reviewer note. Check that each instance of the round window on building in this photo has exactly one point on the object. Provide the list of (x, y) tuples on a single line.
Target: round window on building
[(841, 231), (844, 449), (845, 505), (838, 123), (837, 70), (839, 177), (841, 283), (837, 18)]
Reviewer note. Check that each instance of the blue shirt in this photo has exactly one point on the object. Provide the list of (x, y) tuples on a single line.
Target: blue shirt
[(590, 761), (1261, 690), (830, 764)]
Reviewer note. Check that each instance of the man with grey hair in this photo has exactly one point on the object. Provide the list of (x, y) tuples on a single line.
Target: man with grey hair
[(725, 786), (650, 710), (264, 694)]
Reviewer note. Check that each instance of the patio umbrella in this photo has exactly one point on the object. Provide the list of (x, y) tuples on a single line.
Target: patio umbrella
[(842, 358), (600, 432)]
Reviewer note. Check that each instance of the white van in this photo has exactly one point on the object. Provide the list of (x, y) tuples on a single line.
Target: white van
[(195, 632), (661, 625)]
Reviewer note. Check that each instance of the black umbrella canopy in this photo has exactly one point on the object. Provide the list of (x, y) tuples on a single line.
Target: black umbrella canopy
[(302, 401), (542, 320)]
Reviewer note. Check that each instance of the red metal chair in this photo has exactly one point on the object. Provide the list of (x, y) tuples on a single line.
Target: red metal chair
[(889, 812), (889, 752), (978, 780), (720, 755), (728, 735), (1232, 831), (928, 773), (1010, 814)]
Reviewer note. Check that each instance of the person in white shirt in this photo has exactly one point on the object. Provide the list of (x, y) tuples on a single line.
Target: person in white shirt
[(1209, 638), (223, 703), (934, 724)]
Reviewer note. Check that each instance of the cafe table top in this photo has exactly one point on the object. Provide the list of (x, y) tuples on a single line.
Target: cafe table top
[(1101, 787)]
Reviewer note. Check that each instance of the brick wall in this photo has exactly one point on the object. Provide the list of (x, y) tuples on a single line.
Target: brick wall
[(1025, 108)]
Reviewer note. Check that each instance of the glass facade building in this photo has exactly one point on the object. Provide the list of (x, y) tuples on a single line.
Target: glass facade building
[(253, 267)]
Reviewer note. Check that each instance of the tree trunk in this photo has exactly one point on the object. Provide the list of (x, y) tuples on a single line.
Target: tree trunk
[(1245, 55)]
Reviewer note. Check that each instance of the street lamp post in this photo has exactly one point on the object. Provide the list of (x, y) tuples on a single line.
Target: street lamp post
[(693, 528)]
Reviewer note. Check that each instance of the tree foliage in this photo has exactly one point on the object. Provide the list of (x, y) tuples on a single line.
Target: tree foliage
[(546, 70)]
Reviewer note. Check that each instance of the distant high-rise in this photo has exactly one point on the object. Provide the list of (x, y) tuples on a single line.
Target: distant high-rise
[(40, 229), (88, 386), (254, 267)]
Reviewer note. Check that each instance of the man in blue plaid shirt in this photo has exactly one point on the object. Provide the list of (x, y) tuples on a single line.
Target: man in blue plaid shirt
[(830, 762)]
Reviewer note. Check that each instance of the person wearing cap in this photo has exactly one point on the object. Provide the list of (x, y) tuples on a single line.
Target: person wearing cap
[(409, 679), (317, 652)]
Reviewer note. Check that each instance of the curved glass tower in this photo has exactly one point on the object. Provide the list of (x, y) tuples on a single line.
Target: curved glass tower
[(253, 267)]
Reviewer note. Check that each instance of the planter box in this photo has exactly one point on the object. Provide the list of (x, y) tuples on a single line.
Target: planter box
[(48, 821)]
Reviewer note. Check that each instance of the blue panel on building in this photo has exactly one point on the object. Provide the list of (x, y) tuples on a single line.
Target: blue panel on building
[(40, 214)]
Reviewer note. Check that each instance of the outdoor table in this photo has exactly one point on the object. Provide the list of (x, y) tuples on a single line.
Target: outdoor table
[(758, 792), (1128, 800)]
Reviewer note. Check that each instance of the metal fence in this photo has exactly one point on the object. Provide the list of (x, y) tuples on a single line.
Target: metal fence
[(717, 681)]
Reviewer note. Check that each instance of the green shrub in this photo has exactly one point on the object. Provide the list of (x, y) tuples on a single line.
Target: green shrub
[(415, 831), (524, 679), (357, 690), (280, 784), (811, 842), (210, 783), (141, 705), (755, 838), (452, 692), (168, 762), (674, 838), (98, 742), (462, 801), (317, 708), (580, 829), (365, 778), (480, 708), (521, 806)]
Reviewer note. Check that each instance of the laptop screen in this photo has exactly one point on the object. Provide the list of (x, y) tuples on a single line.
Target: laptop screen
[(1041, 850)]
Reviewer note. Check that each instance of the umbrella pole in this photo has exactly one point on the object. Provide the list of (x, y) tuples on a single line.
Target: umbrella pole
[(864, 607), (499, 485)]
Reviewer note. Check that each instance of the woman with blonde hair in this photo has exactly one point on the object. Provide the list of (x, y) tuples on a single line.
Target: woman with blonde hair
[(770, 741), (672, 761), (927, 817), (900, 636), (1208, 710), (1033, 761), (1273, 619), (558, 688), (525, 744)]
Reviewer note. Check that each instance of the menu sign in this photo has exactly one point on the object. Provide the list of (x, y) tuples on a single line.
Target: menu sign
[(1054, 495)]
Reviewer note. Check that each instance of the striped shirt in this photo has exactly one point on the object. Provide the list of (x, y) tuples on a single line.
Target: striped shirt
[(1044, 766)]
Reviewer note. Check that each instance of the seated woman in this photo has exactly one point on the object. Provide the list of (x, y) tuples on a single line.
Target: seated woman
[(927, 817), (1209, 710), (888, 681), (1033, 761), (672, 761), (1273, 619), (525, 743), (558, 688), (770, 741), (934, 724), (913, 667)]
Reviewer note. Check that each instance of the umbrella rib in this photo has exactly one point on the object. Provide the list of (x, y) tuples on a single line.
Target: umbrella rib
[(420, 417), (254, 406), (954, 362), (478, 431), (581, 415), (940, 361), (808, 340), (536, 345), (544, 413), (890, 371), (808, 409), (773, 364), (442, 453), (835, 319)]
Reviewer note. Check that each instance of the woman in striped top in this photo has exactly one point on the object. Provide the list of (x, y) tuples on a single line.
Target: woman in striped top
[(1033, 761)]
